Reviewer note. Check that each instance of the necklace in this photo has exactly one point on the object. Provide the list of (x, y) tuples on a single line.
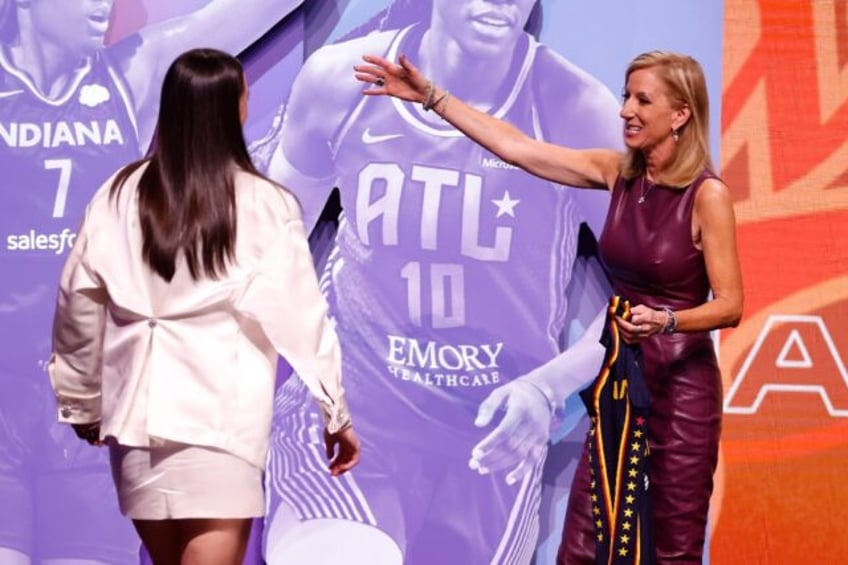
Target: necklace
[(642, 192)]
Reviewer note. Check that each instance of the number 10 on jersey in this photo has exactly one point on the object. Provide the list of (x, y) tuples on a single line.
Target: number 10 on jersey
[(444, 304)]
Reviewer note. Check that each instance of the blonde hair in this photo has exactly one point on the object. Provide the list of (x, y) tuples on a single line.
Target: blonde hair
[(686, 85)]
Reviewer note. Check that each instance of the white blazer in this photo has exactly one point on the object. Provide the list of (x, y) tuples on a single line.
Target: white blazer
[(191, 361)]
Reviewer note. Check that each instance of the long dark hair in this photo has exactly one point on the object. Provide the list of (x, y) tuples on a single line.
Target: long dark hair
[(186, 196)]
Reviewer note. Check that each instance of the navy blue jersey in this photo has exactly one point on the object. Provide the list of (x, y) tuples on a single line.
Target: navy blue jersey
[(618, 403)]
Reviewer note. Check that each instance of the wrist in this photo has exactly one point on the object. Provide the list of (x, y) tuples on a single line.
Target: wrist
[(546, 393), (670, 321), (429, 92), (336, 415)]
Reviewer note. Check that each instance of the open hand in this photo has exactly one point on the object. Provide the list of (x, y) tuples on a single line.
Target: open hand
[(402, 80), (520, 438)]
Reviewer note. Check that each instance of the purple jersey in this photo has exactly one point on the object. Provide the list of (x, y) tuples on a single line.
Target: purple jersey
[(451, 269), (54, 153)]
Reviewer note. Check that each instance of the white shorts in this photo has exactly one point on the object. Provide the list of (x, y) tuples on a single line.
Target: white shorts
[(177, 481)]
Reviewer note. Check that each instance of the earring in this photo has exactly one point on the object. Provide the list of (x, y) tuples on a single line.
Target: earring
[(675, 134)]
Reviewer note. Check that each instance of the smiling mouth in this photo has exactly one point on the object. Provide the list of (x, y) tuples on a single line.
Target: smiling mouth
[(497, 20), (493, 22), (99, 22)]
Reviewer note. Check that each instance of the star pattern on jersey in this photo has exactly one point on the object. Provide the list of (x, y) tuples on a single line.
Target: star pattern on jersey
[(506, 205), (618, 455), (622, 546)]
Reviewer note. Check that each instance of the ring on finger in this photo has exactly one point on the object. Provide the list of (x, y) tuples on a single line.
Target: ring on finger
[(380, 81)]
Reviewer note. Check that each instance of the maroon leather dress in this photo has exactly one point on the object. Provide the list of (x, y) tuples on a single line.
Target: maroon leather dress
[(648, 254)]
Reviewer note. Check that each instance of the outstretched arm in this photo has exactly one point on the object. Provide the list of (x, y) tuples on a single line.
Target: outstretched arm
[(228, 25), (588, 168)]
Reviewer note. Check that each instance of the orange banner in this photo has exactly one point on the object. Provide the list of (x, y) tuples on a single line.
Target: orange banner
[(781, 496)]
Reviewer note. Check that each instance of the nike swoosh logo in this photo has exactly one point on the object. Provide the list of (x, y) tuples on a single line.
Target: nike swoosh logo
[(368, 137), (9, 93)]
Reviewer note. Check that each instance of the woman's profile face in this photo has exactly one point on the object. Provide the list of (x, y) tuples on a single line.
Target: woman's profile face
[(483, 27), (77, 25), (647, 110)]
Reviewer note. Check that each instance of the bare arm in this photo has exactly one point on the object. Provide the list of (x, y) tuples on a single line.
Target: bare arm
[(518, 440), (574, 368), (228, 25), (302, 160), (716, 222), (588, 168), (715, 225)]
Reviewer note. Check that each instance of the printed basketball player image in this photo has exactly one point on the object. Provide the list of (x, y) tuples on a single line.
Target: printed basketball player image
[(448, 282)]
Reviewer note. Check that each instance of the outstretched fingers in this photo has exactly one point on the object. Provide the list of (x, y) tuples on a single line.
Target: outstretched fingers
[(371, 74), (410, 74), (401, 80)]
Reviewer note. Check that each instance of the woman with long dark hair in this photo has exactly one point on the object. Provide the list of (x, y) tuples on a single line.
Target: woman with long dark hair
[(79, 90), (190, 274)]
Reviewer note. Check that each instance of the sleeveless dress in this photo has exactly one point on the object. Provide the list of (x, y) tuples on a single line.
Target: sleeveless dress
[(647, 251)]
